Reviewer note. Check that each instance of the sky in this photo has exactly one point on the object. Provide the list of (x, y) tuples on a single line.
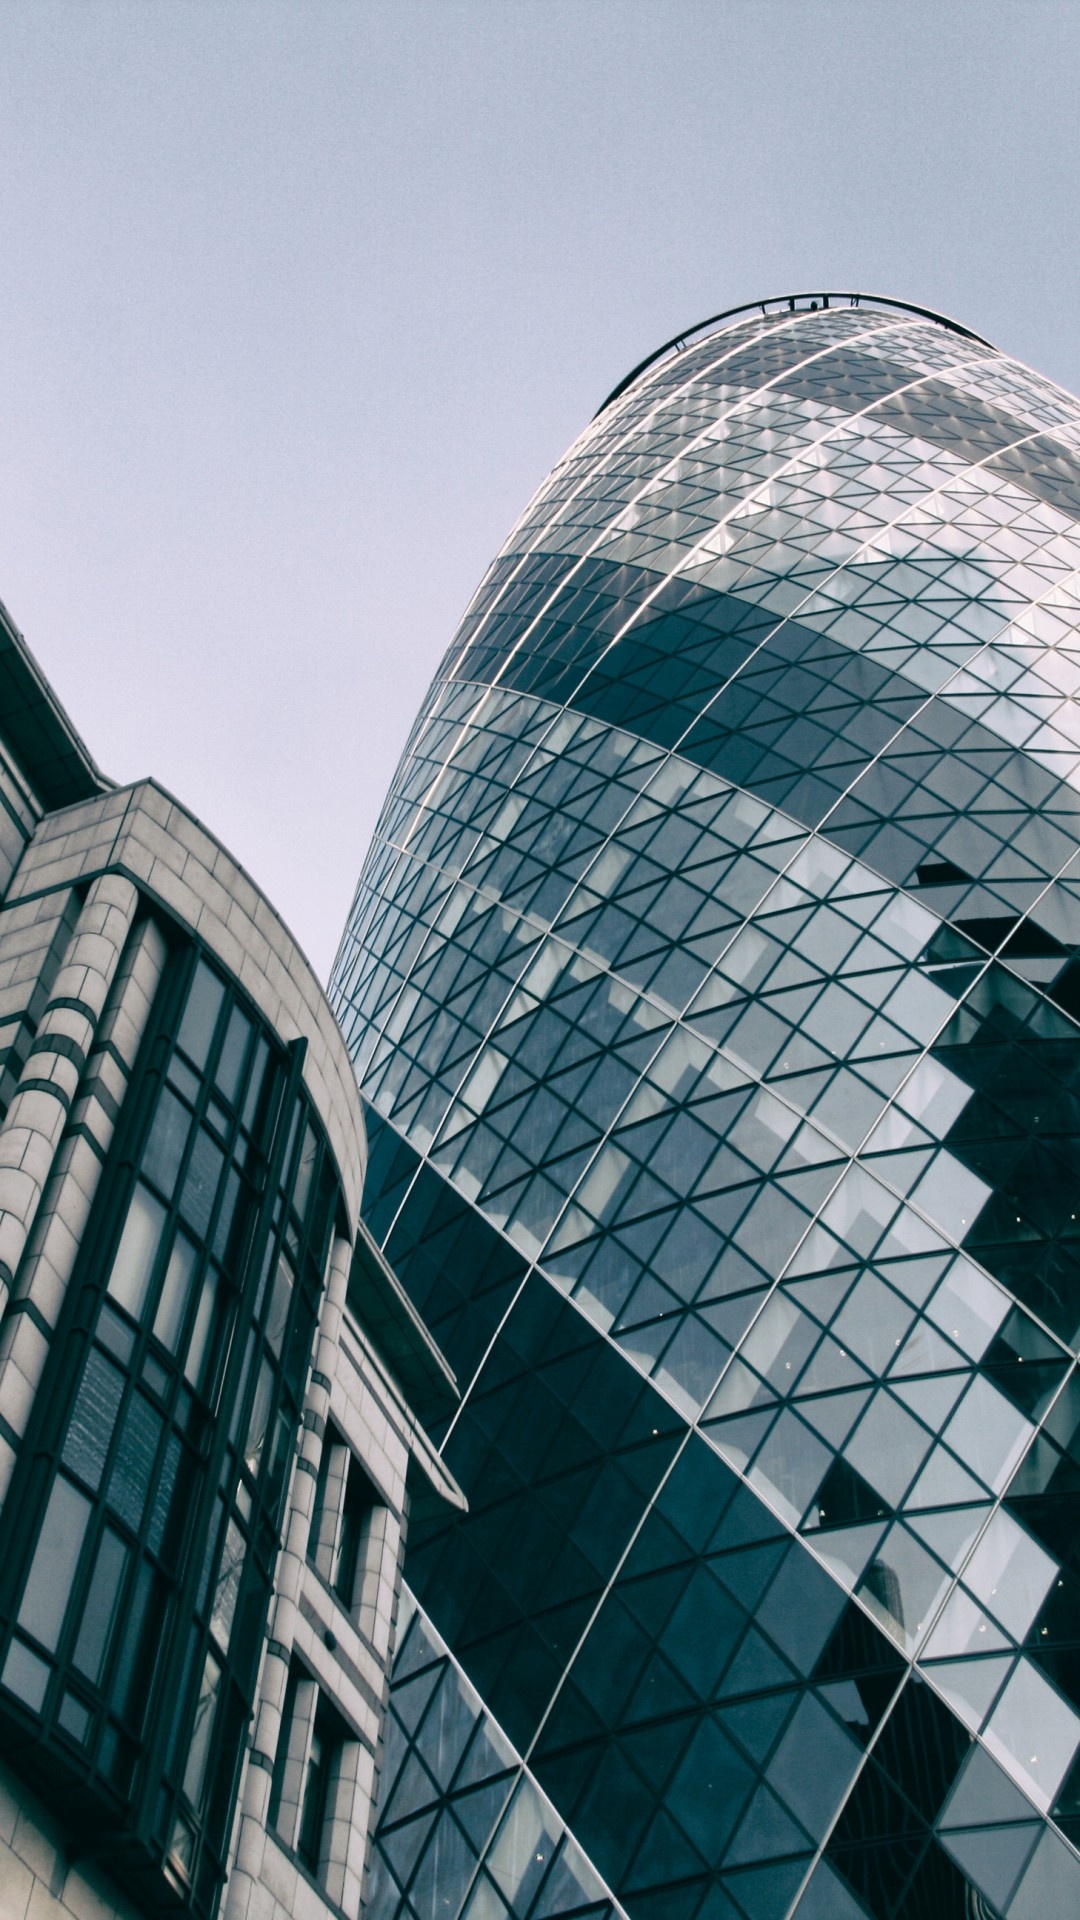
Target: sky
[(301, 299)]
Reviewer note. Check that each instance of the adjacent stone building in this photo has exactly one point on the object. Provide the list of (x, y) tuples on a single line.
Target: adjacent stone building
[(210, 1382)]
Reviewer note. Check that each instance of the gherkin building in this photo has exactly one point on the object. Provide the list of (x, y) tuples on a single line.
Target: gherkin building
[(713, 984)]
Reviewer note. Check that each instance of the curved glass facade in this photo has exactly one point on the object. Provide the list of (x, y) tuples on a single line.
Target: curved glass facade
[(713, 980)]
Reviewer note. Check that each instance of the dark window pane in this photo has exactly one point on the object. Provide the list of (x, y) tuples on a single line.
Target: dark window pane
[(255, 1081), (165, 1147), (52, 1571), (281, 1454), (281, 1758), (175, 1291), (93, 1419), (182, 1848), (201, 1185), (134, 1462), (228, 1735), (241, 1391), (278, 1311), (142, 1635), (183, 1079), (233, 1049), (260, 1418), (156, 1376), (313, 1810), (320, 1209), (102, 1601), (227, 1585), (114, 1333), (298, 1353), (304, 1172), (249, 1623), (134, 1259), (359, 1504), (286, 1159), (197, 1367), (25, 1675), (168, 1509), (199, 1750), (200, 1015), (75, 1718), (227, 1215)]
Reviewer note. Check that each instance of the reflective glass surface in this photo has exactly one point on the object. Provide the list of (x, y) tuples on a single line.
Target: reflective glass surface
[(713, 981)]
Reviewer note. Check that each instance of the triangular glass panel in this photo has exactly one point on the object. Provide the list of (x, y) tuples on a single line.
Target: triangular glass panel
[(968, 1686)]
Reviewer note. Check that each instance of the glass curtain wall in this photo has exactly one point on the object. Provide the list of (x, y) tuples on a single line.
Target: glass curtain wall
[(713, 981)]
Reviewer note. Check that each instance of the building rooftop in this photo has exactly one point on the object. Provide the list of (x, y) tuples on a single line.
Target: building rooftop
[(777, 306)]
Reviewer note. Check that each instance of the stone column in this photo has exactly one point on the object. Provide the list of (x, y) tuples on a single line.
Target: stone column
[(54, 1066), (58, 1131), (250, 1839)]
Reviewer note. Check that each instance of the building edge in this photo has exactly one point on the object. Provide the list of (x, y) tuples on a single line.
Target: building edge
[(182, 1154)]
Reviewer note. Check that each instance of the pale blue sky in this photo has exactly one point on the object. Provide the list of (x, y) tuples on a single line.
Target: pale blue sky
[(302, 298)]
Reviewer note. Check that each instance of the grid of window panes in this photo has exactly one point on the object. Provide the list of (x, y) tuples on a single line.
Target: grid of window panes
[(466, 1825), (716, 966), (163, 1441)]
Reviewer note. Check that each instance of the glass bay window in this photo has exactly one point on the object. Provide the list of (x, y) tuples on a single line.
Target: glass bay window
[(148, 1504)]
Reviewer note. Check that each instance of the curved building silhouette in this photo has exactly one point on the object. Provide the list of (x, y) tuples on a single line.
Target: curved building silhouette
[(713, 985)]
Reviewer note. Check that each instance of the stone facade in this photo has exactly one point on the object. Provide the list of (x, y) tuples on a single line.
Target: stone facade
[(39, 1879), (101, 900)]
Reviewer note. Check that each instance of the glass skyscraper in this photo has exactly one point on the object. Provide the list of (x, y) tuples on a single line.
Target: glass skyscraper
[(713, 984)]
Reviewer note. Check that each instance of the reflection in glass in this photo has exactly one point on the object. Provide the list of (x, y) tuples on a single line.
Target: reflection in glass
[(52, 1570), (172, 1305), (134, 1259), (233, 1050), (200, 1014), (102, 1601), (199, 1748), (278, 1310), (164, 1150), (260, 1416), (26, 1675), (200, 1349), (227, 1585)]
